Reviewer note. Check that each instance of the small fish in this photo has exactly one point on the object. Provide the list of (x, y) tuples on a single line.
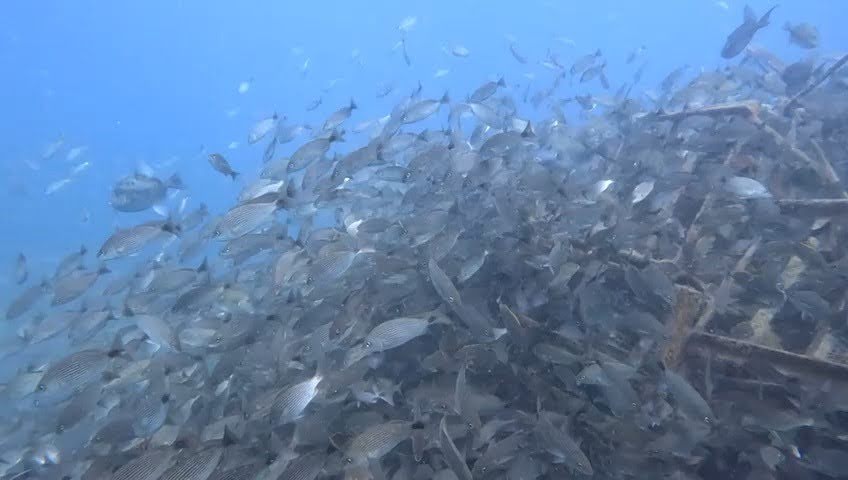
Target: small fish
[(407, 23), (638, 52), (21, 273), (641, 191), (262, 128), (53, 148), (311, 151), (57, 185), (423, 109), (453, 457), (83, 166), (73, 285), (443, 284), (70, 262), (584, 62), (517, 56), (74, 372), (157, 330), (220, 164), (803, 34), (75, 152), (289, 405), (746, 188), (315, 103), (460, 51), (742, 36), (386, 336), (442, 72), (377, 441), (305, 467), (339, 116), (244, 86), (245, 218), (486, 90), (560, 444), (129, 241)]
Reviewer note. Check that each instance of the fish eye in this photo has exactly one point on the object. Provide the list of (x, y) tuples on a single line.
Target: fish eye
[(348, 460), (367, 345), (42, 387)]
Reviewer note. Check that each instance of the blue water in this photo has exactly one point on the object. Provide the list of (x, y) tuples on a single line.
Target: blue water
[(154, 81)]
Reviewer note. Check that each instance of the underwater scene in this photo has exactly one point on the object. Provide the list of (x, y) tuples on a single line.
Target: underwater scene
[(441, 240)]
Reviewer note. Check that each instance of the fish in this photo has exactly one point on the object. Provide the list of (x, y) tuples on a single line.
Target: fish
[(311, 151), (289, 405), (423, 109), (305, 467), (377, 441), (743, 34), (388, 335), (69, 375), (53, 148), (516, 55), (460, 51), (129, 241), (746, 188), (70, 287), (314, 104), (21, 273), (562, 446), (803, 34), (443, 284), (259, 131), (408, 23), (221, 165), (339, 116), (486, 90), (453, 457), (57, 185), (583, 63), (138, 192)]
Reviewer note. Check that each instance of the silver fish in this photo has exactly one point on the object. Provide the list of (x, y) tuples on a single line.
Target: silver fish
[(129, 241), (221, 165), (743, 34), (443, 284), (245, 218), (262, 128), (376, 441), (311, 151), (291, 403)]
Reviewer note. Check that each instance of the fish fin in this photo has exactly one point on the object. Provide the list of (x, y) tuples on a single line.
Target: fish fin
[(501, 82), (353, 105), (234, 174), (445, 98)]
